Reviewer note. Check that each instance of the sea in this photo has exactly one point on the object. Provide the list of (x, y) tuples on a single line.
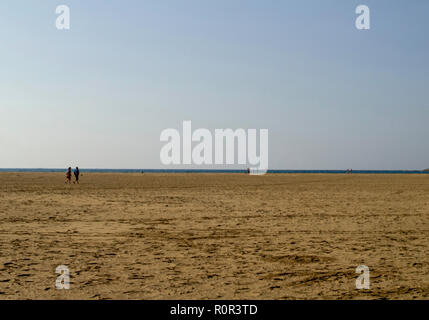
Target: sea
[(210, 171)]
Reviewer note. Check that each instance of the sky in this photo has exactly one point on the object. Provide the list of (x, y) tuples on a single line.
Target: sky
[(100, 94)]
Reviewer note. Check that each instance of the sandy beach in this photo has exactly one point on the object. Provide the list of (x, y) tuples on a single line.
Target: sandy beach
[(214, 236)]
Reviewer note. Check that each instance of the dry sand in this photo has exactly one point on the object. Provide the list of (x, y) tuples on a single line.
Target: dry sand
[(214, 236)]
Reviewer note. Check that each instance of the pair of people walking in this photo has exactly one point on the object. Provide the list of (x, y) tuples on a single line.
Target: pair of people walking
[(76, 173)]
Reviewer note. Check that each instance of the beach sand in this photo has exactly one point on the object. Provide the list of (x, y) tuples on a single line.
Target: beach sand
[(214, 236)]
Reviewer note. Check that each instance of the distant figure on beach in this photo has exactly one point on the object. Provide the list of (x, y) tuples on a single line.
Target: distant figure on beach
[(76, 174), (68, 175)]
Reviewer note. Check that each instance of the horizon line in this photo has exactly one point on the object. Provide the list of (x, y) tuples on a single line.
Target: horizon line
[(202, 169)]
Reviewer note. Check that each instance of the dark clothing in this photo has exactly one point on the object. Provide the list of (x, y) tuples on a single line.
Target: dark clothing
[(76, 174), (68, 175)]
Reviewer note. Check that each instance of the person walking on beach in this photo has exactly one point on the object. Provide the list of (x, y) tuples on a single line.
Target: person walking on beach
[(68, 175), (76, 174)]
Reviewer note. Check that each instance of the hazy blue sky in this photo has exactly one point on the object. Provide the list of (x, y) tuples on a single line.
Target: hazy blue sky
[(99, 95)]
